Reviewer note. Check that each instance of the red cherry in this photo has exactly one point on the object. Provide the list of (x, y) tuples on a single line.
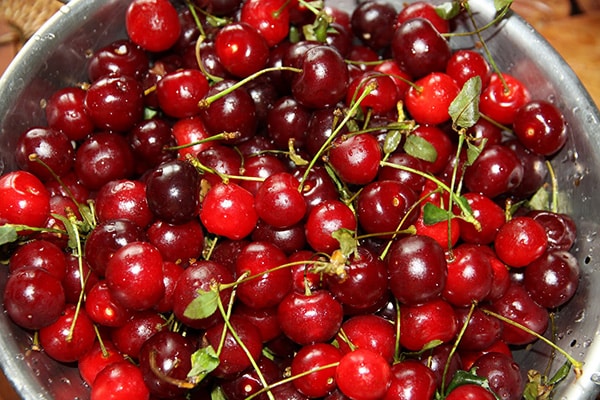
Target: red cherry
[(271, 18), (318, 383), (179, 92), (25, 200), (356, 158), (520, 241), (500, 103), (241, 49), (430, 97), (325, 219), (540, 126), (121, 380), (153, 24), (363, 375), (424, 323)]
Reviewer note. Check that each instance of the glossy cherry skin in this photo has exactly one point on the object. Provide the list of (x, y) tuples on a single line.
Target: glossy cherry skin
[(418, 269), (465, 64), (499, 104), (124, 199), (553, 278), (241, 49), (421, 324), (271, 18), (310, 318), (368, 331), (52, 147), (96, 359), (363, 375), (66, 112), (103, 309), (356, 158), (33, 298), (373, 22), (428, 101), (119, 381), (541, 127), (520, 241), (469, 276), (560, 228), (490, 216), (134, 275), (470, 391), (154, 24), (278, 201), (325, 219), (130, 337), (180, 92), (177, 243), (482, 330), (318, 383), (25, 199), (422, 9), (411, 380), (503, 374), (40, 254), (121, 57)]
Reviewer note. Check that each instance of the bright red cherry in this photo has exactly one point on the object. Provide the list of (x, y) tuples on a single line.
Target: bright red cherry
[(153, 24)]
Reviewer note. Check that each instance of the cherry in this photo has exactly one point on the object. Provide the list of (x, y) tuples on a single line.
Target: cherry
[(135, 276), (288, 239), (373, 22), (166, 354), (496, 171), (121, 380), (417, 268), (421, 324), (465, 64), (66, 112), (228, 210), (535, 169), (410, 179), (520, 241), (430, 97), (518, 306), (363, 375), (560, 228), (443, 362), (33, 298), (540, 126), (121, 57), (469, 276), (96, 359), (103, 309), (260, 166), (115, 102), (265, 319), (171, 274), (501, 103), (552, 279), (310, 318), (249, 382), (288, 120), (199, 276), (124, 199), (303, 277), (355, 158), (233, 358), (268, 285), (411, 380), (73, 282), (149, 140), (323, 220), (53, 148), (40, 254), (241, 49), (368, 331), (188, 132), (490, 216), (317, 187), (179, 92), (482, 330), (69, 337), (311, 357), (503, 374), (153, 24), (419, 49), (221, 160), (141, 326), (103, 157), (422, 9), (172, 191), (364, 283), (278, 201), (180, 243), (470, 391), (324, 78), (400, 77), (25, 200), (106, 238), (271, 18), (235, 112)]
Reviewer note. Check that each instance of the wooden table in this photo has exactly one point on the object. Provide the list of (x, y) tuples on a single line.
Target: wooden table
[(576, 38)]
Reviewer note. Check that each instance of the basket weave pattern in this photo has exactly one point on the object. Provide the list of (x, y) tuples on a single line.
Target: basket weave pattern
[(26, 16)]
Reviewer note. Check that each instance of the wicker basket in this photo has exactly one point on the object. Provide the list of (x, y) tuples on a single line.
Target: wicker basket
[(25, 17)]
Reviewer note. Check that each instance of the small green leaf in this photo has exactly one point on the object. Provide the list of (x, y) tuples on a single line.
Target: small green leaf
[(218, 394), (540, 200), (473, 151), (204, 361), (531, 391), (464, 109), (432, 345), (202, 306), (448, 10), (149, 113), (392, 141), (71, 230), (419, 147), (348, 243), (8, 234), (433, 214), (462, 377), (500, 5)]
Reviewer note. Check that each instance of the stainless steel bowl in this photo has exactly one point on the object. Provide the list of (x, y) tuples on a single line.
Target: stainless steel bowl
[(56, 56)]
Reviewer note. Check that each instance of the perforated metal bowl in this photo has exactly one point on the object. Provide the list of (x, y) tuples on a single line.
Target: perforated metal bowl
[(56, 56)]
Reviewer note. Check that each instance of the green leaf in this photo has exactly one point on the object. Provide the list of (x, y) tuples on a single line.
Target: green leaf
[(473, 151), (202, 306), (204, 361), (392, 140), (464, 109), (531, 391), (348, 243), (433, 214), (218, 394), (71, 230), (540, 200), (448, 10), (499, 5), (419, 147), (462, 377), (8, 234), (432, 345)]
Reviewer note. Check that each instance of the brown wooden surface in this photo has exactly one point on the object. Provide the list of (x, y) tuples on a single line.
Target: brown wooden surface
[(576, 38)]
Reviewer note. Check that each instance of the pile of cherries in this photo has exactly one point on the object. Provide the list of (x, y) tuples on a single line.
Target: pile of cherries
[(267, 199)]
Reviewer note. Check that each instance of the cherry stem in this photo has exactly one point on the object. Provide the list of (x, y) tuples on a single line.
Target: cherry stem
[(577, 365), (213, 138), (459, 337), (209, 100), (554, 183)]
